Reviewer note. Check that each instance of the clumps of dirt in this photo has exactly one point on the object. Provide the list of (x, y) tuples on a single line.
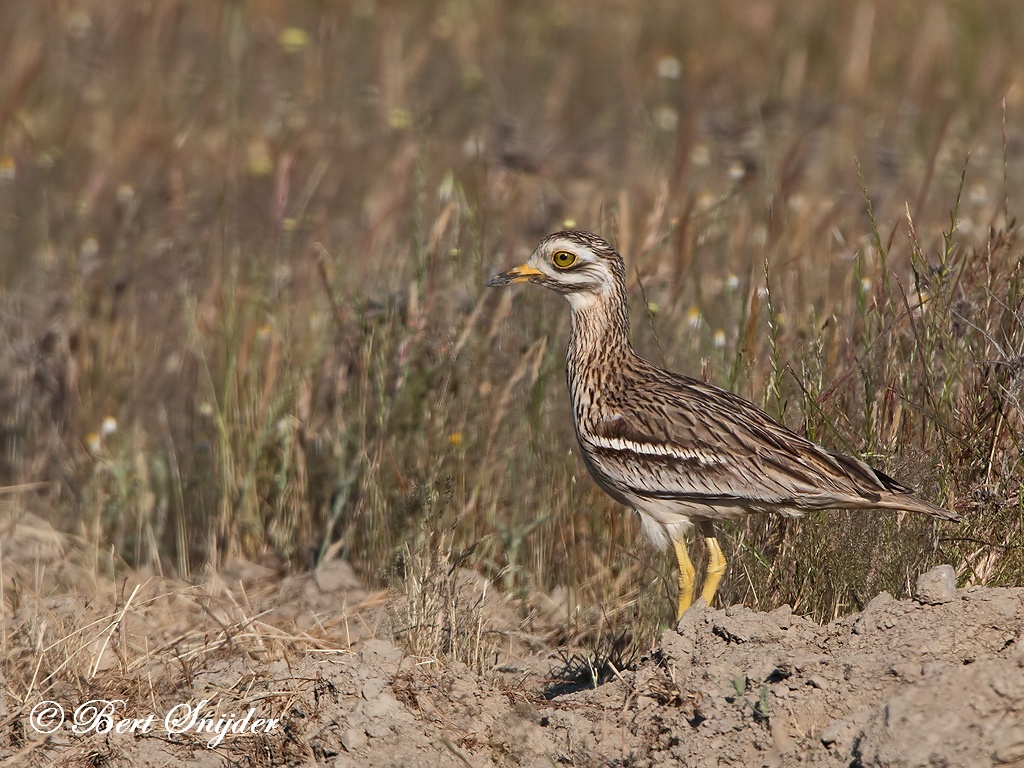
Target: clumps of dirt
[(900, 684), (935, 681), (903, 683)]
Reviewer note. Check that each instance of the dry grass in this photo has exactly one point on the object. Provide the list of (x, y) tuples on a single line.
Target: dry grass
[(74, 638), (253, 239), (447, 612)]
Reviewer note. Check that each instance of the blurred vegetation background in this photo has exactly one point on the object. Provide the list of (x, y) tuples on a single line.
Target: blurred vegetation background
[(243, 244)]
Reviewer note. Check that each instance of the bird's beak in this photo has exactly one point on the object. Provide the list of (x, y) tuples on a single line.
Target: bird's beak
[(521, 274)]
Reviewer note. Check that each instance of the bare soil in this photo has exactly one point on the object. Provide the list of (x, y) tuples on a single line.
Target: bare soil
[(933, 681)]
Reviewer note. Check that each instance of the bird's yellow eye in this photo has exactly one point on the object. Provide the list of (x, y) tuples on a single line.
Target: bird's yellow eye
[(563, 259)]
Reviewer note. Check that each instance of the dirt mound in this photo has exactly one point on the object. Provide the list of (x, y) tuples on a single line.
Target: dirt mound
[(307, 670), (901, 684)]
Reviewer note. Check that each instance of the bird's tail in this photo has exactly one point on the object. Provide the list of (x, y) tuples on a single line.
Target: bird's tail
[(892, 494), (911, 503)]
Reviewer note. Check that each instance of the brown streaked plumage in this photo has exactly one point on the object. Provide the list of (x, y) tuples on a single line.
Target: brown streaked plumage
[(678, 451)]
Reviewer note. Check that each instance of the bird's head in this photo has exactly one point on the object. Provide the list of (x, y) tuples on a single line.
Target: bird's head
[(581, 266)]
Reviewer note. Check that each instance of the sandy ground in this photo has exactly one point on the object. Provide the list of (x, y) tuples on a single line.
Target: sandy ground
[(933, 681)]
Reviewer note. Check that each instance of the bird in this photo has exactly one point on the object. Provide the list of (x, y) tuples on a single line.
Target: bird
[(681, 453)]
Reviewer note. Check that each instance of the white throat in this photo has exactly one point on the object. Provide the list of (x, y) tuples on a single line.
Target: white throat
[(582, 300)]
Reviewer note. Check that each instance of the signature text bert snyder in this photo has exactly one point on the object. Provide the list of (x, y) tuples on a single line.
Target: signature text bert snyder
[(104, 716)]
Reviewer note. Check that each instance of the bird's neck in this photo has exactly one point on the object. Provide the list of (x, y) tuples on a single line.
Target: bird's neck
[(599, 336)]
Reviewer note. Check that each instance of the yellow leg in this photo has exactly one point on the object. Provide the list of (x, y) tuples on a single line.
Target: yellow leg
[(686, 574), (716, 563)]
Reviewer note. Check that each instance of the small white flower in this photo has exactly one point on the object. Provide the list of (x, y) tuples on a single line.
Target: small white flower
[(666, 118), (474, 146), (78, 24), (701, 155), (670, 68), (978, 194), (125, 194), (90, 247)]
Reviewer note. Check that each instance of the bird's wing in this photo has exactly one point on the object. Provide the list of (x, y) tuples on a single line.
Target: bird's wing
[(702, 444)]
